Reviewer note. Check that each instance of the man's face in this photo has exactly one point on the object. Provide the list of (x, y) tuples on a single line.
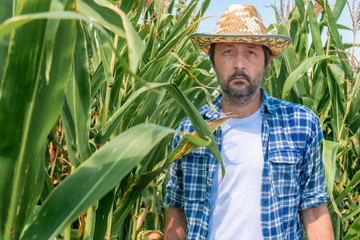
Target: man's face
[(239, 68)]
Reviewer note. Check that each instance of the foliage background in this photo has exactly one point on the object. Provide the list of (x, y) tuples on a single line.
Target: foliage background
[(91, 91)]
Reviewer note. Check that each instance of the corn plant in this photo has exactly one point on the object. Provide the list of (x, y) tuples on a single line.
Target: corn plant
[(91, 92), (321, 77), (90, 95)]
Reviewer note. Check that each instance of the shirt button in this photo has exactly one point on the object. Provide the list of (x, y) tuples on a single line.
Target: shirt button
[(196, 165), (204, 230), (208, 207), (209, 179)]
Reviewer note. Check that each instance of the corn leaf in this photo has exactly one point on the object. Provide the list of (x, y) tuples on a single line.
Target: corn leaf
[(78, 98), (335, 76), (18, 21), (29, 105), (329, 159), (353, 232), (315, 30), (94, 178), (301, 70), (136, 189), (353, 183), (5, 13), (336, 36), (186, 145), (107, 14)]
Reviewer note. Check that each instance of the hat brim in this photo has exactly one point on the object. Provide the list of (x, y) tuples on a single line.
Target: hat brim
[(276, 43)]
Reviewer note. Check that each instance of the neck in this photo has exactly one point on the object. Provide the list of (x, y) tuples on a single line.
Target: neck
[(241, 108)]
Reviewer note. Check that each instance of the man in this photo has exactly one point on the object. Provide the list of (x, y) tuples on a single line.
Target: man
[(271, 149)]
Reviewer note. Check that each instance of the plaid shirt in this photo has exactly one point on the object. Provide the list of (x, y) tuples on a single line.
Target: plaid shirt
[(292, 179)]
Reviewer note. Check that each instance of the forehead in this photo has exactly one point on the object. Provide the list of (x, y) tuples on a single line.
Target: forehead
[(238, 45)]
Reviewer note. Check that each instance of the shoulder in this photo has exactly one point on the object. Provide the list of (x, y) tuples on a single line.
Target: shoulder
[(289, 110), (294, 118)]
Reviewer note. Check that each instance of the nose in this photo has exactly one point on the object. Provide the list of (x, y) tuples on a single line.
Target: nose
[(239, 62)]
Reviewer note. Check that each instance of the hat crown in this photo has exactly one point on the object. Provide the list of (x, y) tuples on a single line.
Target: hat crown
[(241, 24), (243, 19)]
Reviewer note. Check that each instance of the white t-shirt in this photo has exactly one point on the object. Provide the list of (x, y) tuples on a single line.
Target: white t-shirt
[(235, 201)]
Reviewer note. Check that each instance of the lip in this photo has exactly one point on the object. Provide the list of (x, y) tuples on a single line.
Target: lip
[(242, 79), (239, 76)]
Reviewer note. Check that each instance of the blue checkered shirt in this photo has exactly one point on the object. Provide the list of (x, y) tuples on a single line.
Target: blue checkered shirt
[(292, 178)]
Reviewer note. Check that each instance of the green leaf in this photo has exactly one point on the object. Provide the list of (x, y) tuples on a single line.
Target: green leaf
[(315, 30), (332, 18), (184, 18), (301, 70), (300, 5), (338, 8), (303, 42), (292, 63), (196, 140), (94, 178), (318, 84), (5, 12), (197, 121), (355, 125), (334, 78), (349, 187), (353, 232), (105, 60), (78, 97), (107, 14), (89, 224), (105, 132), (188, 145), (30, 105), (188, 107), (103, 212), (139, 185), (70, 134), (14, 23), (329, 159)]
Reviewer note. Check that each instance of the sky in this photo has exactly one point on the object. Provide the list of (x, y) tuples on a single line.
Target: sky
[(218, 7)]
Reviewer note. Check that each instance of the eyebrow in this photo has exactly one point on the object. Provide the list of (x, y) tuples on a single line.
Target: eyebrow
[(228, 45), (252, 46)]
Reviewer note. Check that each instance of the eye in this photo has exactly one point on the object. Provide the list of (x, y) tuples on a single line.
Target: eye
[(251, 52), (228, 51)]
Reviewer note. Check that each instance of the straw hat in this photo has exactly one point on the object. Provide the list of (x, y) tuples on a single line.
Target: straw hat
[(241, 23)]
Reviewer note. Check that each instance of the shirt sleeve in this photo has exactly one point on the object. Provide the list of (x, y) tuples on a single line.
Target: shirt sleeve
[(312, 179), (175, 189)]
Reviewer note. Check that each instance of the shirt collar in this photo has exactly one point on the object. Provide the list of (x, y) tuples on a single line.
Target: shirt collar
[(267, 105)]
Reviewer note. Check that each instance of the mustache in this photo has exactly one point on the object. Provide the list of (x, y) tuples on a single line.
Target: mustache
[(239, 74)]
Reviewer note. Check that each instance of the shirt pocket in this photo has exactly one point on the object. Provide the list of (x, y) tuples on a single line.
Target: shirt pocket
[(195, 169), (283, 172)]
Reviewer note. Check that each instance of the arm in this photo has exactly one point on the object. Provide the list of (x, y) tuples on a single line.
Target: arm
[(314, 194), (175, 224), (317, 223)]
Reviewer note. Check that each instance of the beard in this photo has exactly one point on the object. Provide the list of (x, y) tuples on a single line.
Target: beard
[(244, 93)]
